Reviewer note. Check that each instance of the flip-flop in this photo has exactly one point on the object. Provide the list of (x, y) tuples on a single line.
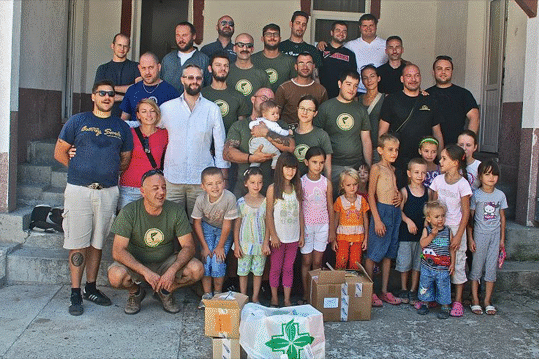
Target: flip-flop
[(490, 310), (376, 302), (476, 309), (390, 298), (457, 310)]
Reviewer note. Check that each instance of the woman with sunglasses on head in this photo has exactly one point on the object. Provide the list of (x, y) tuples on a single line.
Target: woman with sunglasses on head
[(372, 102)]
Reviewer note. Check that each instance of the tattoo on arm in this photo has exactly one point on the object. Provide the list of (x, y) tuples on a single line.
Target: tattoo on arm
[(226, 148), (77, 259), (278, 139)]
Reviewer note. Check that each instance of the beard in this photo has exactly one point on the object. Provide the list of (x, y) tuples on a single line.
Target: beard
[(219, 78), (187, 46), (340, 42), (271, 47), (224, 33), (193, 91)]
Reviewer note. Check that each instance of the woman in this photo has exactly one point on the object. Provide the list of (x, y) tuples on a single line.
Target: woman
[(306, 135), (372, 101), (146, 136)]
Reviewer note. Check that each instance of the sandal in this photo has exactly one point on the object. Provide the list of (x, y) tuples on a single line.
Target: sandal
[(476, 309), (490, 310), (457, 310), (376, 302), (390, 298), (444, 312), (404, 296), (423, 308)]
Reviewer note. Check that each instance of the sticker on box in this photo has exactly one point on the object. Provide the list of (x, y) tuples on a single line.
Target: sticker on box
[(359, 290), (331, 303)]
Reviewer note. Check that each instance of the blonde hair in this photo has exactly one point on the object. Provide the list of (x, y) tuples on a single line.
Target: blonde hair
[(348, 172), (431, 206), (386, 137), (153, 105)]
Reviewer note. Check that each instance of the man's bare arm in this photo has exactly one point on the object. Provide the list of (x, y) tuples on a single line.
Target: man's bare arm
[(366, 143), (61, 152), (121, 254), (437, 133), (186, 253), (283, 143), (125, 116), (473, 120), (383, 127), (125, 158), (232, 153)]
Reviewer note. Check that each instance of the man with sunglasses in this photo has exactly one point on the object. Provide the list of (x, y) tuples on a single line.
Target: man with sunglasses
[(143, 249), (104, 144), (225, 30), (176, 61), (278, 66), (244, 77)]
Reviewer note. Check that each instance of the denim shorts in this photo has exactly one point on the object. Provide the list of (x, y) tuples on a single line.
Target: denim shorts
[(388, 245), (434, 285), (212, 235), (408, 257), (128, 195)]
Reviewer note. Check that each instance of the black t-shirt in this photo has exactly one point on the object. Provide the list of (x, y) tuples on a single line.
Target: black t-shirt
[(390, 81), (454, 102), (335, 61)]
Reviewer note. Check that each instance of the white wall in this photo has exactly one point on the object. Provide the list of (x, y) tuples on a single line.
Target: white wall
[(515, 53), (530, 109), (475, 46)]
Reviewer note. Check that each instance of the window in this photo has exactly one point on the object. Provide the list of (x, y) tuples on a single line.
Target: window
[(325, 12)]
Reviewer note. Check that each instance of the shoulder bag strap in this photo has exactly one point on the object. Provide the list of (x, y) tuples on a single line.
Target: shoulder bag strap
[(146, 148), (409, 116), (374, 102)]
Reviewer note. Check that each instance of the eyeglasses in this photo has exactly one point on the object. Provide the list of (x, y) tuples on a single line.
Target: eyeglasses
[(150, 173), (243, 44), (304, 109), (226, 22), (193, 77), (102, 93), (272, 34)]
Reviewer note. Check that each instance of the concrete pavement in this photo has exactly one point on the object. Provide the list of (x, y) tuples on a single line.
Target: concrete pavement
[(34, 323)]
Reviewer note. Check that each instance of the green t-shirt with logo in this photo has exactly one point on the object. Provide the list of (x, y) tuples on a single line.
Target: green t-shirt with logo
[(230, 102), (247, 82), (344, 122), (151, 238), (279, 69), (304, 141)]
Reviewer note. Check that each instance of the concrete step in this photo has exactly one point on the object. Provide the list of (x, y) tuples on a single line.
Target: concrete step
[(44, 240), (28, 173), (59, 177), (14, 224), (522, 243), (53, 196), (29, 193), (5, 249), (42, 152), (518, 276)]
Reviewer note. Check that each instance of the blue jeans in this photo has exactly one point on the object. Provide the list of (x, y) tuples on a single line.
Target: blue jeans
[(434, 285), (212, 235)]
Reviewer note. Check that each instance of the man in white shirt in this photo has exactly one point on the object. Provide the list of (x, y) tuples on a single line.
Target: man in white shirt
[(192, 123)]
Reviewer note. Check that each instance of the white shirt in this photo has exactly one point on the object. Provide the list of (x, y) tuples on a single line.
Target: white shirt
[(367, 53), (272, 126), (189, 139), (185, 56)]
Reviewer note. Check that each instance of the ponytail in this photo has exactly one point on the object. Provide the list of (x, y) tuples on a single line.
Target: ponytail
[(456, 153)]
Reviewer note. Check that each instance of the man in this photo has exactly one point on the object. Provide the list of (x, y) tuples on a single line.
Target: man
[(456, 104), (151, 87), (104, 144), (368, 48), (347, 124), (244, 77), (238, 138), (410, 116), (290, 92), (193, 122), (278, 66), (121, 71), (335, 59), (295, 44), (232, 104), (175, 62), (390, 73), (143, 249), (225, 30)]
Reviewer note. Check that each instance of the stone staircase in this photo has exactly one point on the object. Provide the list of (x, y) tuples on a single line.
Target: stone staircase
[(36, 257)]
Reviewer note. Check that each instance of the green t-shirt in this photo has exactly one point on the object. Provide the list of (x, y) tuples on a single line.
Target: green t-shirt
[(294, 49), (239, 136), (304, 141), (247, 82), (230, 102), (151, 238), (344, 122), (279, 69)]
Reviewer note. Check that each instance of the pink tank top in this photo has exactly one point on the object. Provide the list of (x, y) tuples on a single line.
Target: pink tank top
[(315, 203)]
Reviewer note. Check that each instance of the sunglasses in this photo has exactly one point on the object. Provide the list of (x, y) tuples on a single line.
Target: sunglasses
[(150, 173), (102, 93), (272, 34), (243, 44), (226, 22), (192, 77)]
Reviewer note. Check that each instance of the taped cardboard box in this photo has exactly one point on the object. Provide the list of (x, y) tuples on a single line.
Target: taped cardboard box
[(226, 348), (341, 296), (222, 315)]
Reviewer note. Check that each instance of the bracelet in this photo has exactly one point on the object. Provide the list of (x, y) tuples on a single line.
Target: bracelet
[(248, 158)]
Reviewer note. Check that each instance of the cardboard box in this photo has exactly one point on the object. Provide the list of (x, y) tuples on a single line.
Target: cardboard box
[(340, 295), (223, 313), (226, 348)]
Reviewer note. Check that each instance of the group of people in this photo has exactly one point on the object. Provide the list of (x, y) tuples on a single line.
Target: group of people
[(295, 146)]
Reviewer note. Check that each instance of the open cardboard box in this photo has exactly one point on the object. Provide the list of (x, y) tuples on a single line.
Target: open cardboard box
[(223, 313), (226, 348), (341, 295)]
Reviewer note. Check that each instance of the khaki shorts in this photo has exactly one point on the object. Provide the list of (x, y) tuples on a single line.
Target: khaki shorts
[(159, 268), (88, 215), (185, 195)]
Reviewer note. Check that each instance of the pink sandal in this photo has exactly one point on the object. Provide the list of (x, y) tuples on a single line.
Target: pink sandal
[(390, 298), (457, 310), (376, 302)]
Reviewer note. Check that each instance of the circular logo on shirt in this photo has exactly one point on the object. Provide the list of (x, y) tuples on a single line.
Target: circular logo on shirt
[(223, 106), (273, 75), (300, 151), (153, 237), (154, 99), (244, 86), (345, 121)]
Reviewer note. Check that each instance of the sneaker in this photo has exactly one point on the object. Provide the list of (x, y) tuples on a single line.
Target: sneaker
[(133, 302), (98, 297), (169, 303), (404, 296), (76, 304), (205, 296), (412, 298), (423, 309), (444, 312)]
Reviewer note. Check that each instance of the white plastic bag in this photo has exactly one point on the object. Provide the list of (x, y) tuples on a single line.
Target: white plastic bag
[(289, 333)]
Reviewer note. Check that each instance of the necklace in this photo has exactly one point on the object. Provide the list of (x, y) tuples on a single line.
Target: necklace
[(144, 87)]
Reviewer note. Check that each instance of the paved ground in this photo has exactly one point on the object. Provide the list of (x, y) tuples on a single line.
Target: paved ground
[(34, 323)]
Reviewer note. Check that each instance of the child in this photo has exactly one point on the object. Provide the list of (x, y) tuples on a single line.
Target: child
[(352, 221), (213, 214), (454, 192), (284, 218), (488, 210), (428, 149), (414, 197), (467, 140), (386, 215), (270, 116), (318, 213), (250, 232), (363, 184), (437, 261)]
